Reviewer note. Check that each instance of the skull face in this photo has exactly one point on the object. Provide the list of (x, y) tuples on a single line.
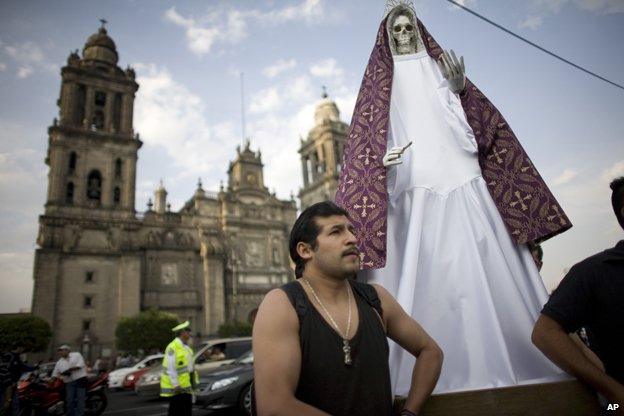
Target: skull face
[(403, 32)]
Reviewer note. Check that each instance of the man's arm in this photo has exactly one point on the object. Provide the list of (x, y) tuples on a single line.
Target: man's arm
[(172, 372), (277, 358), (56, 372), (549, 336), (406, 332)]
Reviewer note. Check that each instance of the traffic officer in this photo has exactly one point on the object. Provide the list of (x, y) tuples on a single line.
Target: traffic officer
[(178, 377)]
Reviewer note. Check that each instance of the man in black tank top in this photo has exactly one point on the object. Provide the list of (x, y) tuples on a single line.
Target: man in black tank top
[(320, 343)]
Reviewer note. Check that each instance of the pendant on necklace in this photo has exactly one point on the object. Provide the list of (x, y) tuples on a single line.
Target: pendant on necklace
[(347, 352)]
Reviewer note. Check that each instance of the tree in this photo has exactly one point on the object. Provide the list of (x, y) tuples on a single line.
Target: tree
[(29, 331), (234, 329), (149, 330)]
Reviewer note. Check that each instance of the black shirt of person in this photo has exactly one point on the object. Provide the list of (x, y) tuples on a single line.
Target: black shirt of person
[(591, 295)]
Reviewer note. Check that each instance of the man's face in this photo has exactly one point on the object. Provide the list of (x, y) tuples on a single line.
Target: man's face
[(336, 254), (185, 336), (64, 353)]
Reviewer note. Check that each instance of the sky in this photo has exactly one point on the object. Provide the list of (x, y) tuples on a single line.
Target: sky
[(189, 56)]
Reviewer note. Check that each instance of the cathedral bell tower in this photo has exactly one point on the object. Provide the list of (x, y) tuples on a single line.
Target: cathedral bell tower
[(245, 172), (86, 274), (92, 149), (321, 154)]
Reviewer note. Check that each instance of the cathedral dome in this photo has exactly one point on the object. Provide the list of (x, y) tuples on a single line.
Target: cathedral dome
[(326, 110), (100, 47)]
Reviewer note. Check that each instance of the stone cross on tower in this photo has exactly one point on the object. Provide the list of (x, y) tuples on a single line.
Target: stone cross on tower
[(103, 21)]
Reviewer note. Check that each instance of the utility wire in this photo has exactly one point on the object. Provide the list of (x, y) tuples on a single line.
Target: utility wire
[(535, 45)]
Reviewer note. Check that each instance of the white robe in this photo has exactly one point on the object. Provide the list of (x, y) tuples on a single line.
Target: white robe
[(450, 261)]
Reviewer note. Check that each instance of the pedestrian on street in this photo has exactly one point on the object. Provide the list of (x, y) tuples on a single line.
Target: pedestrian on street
[(590, 296), (72, 370), (179, 378), (12, 369)]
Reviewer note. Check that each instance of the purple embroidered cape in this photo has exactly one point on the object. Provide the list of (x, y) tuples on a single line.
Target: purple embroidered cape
[(526, 205)]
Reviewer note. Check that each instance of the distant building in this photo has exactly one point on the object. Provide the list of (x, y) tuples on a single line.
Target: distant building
[(321, 154), (98, 260)]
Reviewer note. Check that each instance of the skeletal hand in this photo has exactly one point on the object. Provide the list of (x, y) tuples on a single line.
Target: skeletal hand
[(453, 70), (393, 156)]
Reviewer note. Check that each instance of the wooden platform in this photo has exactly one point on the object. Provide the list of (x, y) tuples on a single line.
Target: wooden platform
[(568, 398)]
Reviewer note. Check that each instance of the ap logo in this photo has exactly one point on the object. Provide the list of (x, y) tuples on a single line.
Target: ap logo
[(613, 406)]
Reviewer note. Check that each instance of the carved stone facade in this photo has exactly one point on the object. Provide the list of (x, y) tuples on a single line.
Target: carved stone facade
[(98, 261), (321, 154)]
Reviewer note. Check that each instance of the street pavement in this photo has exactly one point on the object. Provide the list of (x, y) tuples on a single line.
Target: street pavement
[(126, 403)]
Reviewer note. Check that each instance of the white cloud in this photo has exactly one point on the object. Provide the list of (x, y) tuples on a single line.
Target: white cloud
[(2, 66), (28, 56), (615, 171), (327, 68), (23, 183), (200, 39), (230, 26), (279, 67), (466, 3), (601, 6), (168, 115), (16, 276), (24, 72), (310, 11), (566, 176), (265, 100), (539, 9), (531, 22)]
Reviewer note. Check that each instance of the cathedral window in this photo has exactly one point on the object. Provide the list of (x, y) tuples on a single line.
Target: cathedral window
[(72, 162), (69, 194), (98, 114), (89, 276), (100, 99), (86, 325), (87, 302), (98, 120), (94, 186), (276, 255), (116, 195), (118, 166), (81, 99)]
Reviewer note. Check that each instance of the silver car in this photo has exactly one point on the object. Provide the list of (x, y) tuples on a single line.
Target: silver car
[(211, 354)]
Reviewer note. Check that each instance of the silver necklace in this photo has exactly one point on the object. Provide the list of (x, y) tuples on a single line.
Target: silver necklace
[(346, 347)]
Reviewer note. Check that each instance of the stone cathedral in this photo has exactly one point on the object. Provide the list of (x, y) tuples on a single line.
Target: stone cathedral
[(98, 259)]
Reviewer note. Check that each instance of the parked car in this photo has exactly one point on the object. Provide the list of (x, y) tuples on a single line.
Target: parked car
[(228, 386), (116, 377), (211, 354)]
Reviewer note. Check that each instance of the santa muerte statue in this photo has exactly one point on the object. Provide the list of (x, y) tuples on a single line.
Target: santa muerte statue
[(445, 202)]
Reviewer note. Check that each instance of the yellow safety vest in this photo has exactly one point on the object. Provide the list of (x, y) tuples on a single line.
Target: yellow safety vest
[(182, 355)]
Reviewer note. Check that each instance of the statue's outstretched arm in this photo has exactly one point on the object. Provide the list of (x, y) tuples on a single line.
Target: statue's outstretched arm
[(453, 70)]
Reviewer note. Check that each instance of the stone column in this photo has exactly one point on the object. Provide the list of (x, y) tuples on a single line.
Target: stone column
[(321, 160), (218, 292), (304, 168), (89, 104), (67, 103), (129, 182), (108, 111), (127, 107), (330, 157), (55, 176), (208, 303)]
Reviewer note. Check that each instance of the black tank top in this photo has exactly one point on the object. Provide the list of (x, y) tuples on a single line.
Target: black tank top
[(325, 382)]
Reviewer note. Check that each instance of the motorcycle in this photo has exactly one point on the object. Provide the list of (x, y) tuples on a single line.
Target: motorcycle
[(41, 396)]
